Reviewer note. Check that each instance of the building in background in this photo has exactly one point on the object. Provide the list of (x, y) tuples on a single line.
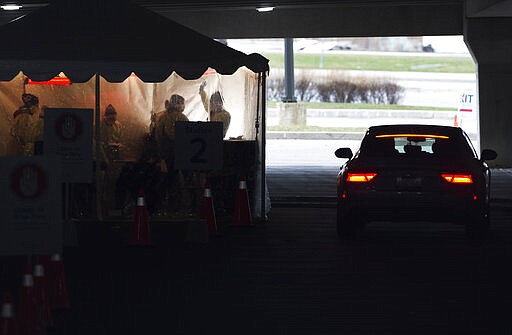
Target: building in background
[(437, 44)]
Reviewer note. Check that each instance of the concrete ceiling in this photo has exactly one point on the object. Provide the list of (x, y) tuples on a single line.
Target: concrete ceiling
[(300, 18)]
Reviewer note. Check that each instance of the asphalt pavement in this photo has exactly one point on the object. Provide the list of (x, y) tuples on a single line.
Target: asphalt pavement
[(290, 275)]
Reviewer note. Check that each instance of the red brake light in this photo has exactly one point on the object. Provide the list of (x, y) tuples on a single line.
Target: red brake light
[(360, 177), (412, 135), (457, 178)]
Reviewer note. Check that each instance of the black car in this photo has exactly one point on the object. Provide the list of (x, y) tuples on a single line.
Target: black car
[(414, 173)]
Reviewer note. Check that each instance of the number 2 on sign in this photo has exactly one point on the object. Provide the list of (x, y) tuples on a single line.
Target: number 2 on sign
[(198, 156)]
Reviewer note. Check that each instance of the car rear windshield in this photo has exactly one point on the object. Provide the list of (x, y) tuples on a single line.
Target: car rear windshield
[(415, 145)]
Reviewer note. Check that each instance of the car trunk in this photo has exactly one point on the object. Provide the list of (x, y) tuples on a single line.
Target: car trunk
[(411, 174)]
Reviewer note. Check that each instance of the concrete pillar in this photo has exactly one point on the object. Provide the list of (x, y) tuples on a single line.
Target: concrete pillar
[(291, 113), (490, 43)]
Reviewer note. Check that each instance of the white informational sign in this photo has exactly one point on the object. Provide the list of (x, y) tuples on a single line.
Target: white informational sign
[(467, 101), (198, 145), (68, 135), (31, 206), (467, 113)]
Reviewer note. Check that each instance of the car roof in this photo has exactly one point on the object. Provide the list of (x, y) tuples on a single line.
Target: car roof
[(414, 128)]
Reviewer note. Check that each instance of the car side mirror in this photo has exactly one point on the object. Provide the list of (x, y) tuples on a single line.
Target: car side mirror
[(488, 155), (344, 153)]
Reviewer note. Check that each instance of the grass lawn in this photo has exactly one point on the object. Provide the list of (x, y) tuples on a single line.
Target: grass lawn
[(366, 63), (376, 62)]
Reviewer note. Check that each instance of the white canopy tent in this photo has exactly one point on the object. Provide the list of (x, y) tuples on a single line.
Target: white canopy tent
[(115, 43)]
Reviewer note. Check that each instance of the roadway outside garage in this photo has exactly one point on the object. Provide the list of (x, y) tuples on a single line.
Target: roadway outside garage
[(305, 169)]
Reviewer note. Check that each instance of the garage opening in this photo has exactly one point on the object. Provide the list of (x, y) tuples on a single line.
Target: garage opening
[(344, 85)]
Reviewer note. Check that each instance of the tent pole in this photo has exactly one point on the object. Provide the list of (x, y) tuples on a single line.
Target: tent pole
[(97, 136), (263, 149)]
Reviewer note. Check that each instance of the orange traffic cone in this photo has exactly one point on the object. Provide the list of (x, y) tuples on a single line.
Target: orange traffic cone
[(29, 321), (41, 292), (207, 210), (58, 291), (242, 214), (141, 234), (8, 324)]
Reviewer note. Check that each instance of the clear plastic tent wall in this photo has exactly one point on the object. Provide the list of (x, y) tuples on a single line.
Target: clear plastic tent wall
[(135, 101)]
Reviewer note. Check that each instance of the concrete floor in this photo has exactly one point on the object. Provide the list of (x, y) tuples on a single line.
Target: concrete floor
[(291, 275)]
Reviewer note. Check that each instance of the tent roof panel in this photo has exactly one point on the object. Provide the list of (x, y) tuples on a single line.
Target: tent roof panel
[(112, 38)]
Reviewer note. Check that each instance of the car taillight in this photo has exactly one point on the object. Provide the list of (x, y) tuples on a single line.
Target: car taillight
[(457, 178), (360, 177)]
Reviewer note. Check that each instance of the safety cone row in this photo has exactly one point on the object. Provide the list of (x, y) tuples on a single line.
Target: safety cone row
[(207, 210), (242, 213), (43, 289), (141, 234), (8, 322)]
